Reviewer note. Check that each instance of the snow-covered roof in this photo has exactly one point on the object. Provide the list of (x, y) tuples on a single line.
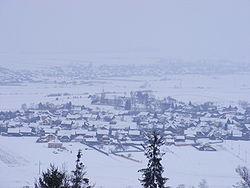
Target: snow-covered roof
[(35, 125), (55, 141), (25, 130), (73, 116), (93, 139), (134, 133), (168, 132), (67, 122), (169, 140), (49, 130), (87, 115), (102, 131), (143, 114), (65, 133), (13, 130), (190, 131), (122, 125), (180, 137), (81, 131), (91, 133), (247, 126), (13, 123), (79, 137)]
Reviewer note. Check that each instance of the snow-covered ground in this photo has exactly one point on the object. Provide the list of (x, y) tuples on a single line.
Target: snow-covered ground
[(20, 158), (192, 50), (223, 89)]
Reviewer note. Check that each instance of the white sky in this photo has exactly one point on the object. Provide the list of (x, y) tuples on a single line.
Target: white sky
[(187, 29)]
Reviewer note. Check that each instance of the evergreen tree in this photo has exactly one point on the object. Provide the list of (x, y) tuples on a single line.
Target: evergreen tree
[(68, 105), (78, 179), (203, 184), (128, 104), (53, 178), (152, 175)]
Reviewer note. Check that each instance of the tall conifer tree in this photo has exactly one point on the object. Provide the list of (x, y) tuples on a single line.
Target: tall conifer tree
[(53, 178), (78, 179), (152, 176)]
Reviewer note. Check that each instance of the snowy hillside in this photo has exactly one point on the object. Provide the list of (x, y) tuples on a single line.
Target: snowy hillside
[(19, 166)]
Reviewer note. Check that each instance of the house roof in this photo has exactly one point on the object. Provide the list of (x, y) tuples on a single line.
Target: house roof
[(180, 137), (134, 132), (49, 130), (143, 114), (81, 131), (25, 130), (65, 133), (247, 126), (94, 139), (102, 131), (13, 130), (67, 122), (91, 133)]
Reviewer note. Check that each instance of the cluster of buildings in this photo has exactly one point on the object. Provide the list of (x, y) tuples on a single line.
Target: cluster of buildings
[(128, 122)]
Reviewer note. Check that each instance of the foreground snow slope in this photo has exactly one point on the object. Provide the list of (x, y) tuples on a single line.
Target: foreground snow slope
[(20, 158)]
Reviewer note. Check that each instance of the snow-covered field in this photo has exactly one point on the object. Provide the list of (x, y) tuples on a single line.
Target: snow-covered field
[(222, 89), (20, 158)]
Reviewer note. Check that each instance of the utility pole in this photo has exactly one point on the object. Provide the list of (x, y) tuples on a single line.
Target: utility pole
[(39, 167), (239, 150), (246, 156)]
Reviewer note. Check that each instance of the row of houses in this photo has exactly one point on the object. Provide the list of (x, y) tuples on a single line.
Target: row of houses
[(178, 121)]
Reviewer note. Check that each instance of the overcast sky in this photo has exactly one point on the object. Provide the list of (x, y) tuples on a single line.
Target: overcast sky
[(187, 29)]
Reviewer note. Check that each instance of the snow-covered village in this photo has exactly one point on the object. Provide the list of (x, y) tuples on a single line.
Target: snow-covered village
[(126, 123), (124, 94), (112, 125)]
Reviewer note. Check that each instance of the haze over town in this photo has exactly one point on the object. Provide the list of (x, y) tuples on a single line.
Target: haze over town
[(101, 75)]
